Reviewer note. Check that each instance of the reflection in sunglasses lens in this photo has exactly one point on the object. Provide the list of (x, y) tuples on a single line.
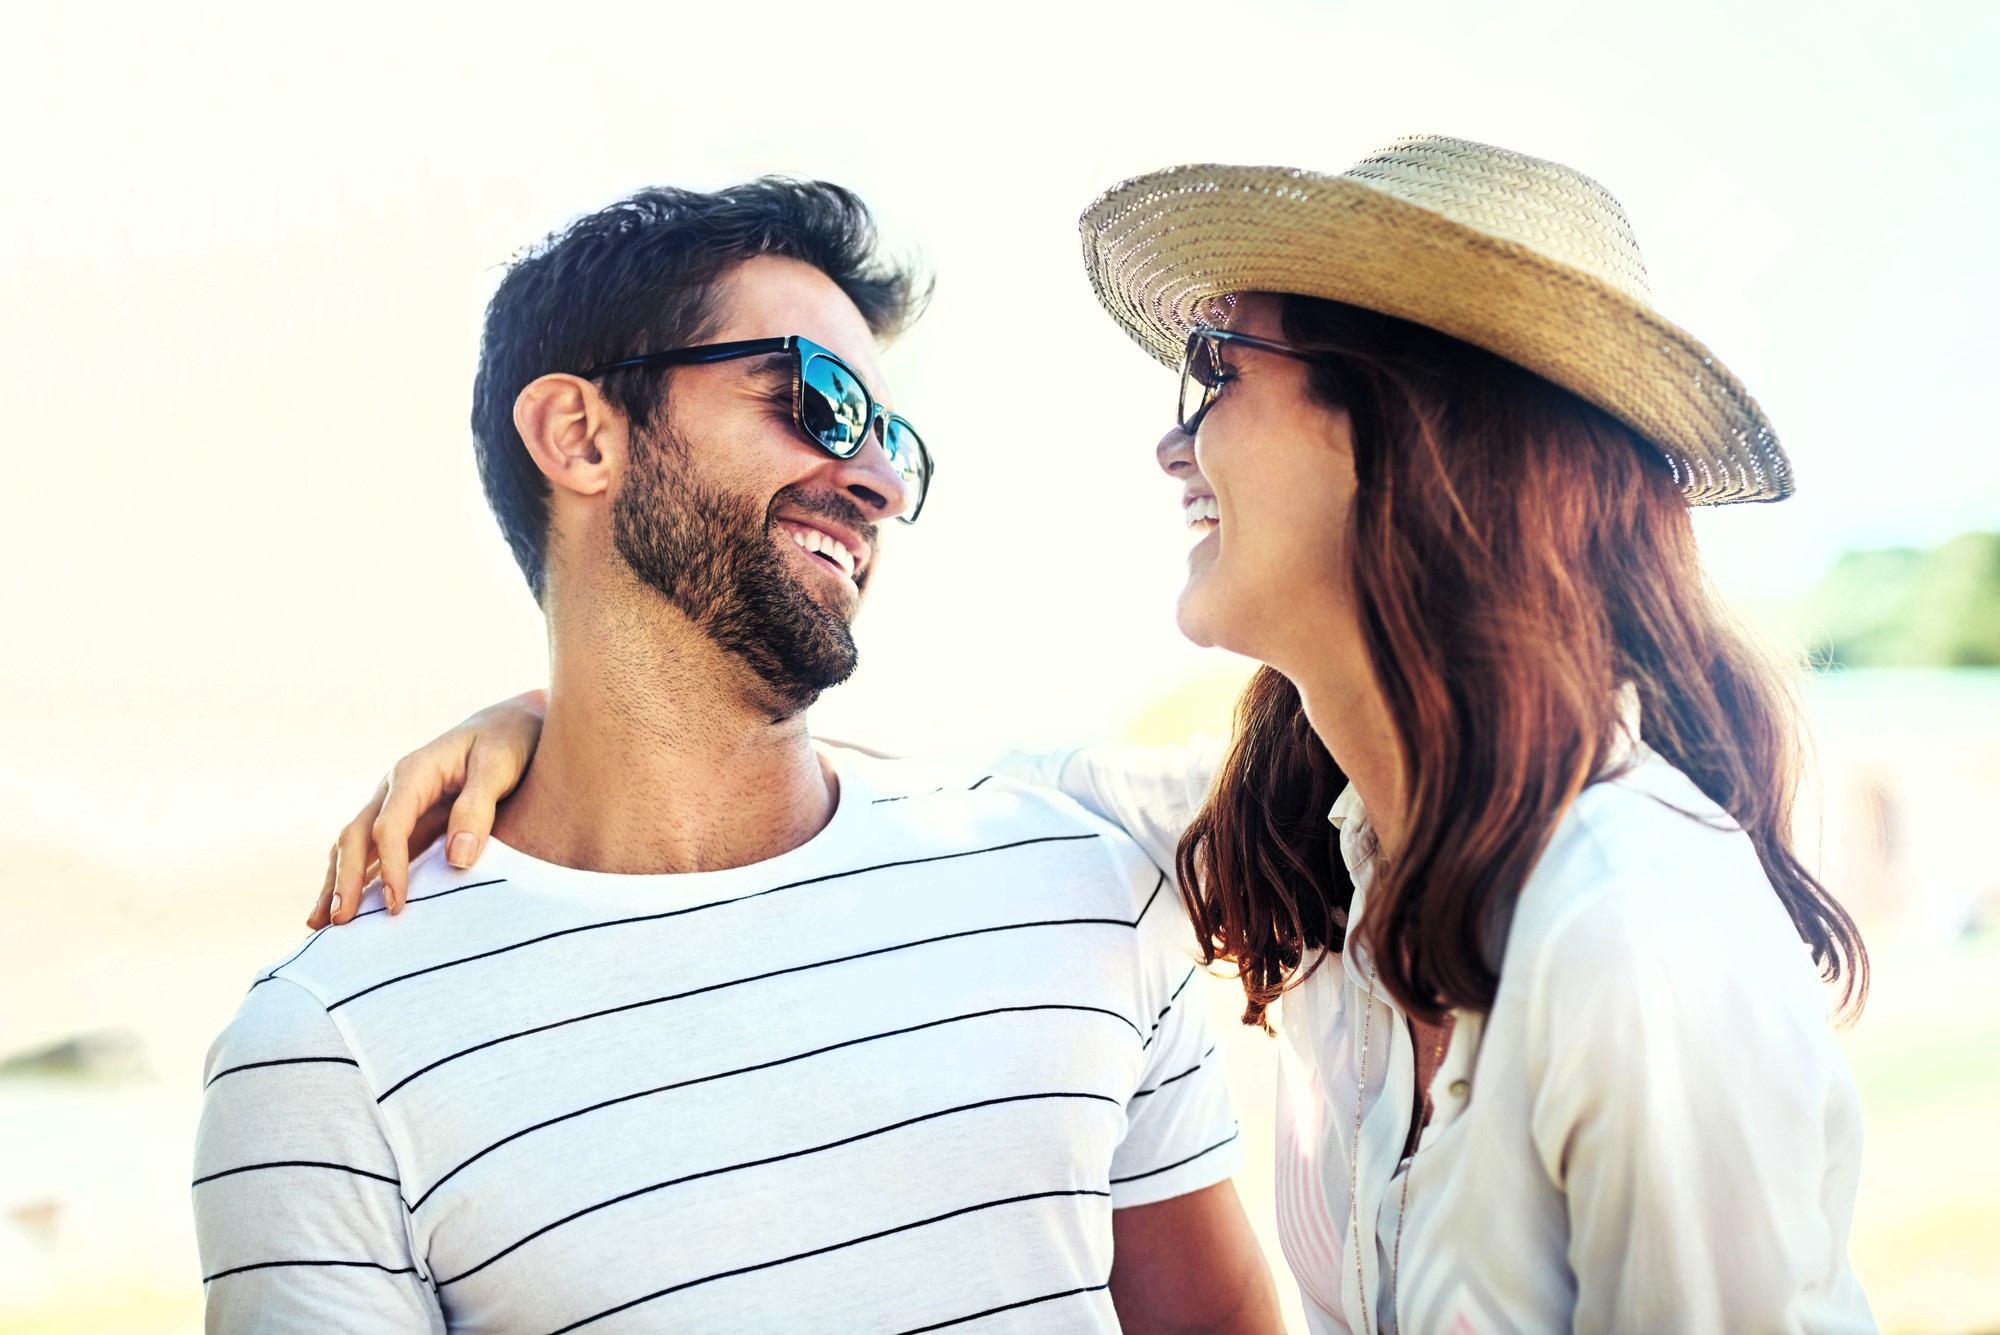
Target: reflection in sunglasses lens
[(836, 407), (905, 453)]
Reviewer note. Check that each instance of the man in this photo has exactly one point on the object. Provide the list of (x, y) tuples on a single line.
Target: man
[(724, 1032)]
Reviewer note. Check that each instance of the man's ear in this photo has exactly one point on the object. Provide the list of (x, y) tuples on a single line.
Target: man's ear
[(574, 436)]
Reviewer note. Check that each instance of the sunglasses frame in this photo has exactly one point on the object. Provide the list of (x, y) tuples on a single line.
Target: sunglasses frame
[(1205, 335), (802, 350)]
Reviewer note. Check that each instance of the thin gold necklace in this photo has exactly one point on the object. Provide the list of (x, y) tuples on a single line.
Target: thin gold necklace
[(1410, 1171), (1354, 1170), (1354, 1159)]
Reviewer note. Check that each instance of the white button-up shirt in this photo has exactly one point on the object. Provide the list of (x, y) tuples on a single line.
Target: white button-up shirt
[(1651, 1130)]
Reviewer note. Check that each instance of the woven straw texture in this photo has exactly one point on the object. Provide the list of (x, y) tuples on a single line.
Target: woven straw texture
[(1526, 258)]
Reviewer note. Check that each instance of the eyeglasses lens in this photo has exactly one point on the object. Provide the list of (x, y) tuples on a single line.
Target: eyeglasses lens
[(834, 407)]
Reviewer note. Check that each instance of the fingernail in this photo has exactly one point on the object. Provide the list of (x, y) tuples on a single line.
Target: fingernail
[(459, 854), (335, 906)]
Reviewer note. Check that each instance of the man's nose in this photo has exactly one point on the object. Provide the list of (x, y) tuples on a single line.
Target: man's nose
[(874, 483), (1175, 453)]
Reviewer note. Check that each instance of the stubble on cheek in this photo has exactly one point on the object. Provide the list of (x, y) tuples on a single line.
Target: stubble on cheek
[(715, 557)]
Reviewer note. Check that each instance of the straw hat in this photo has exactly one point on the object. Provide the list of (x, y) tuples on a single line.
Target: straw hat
[(1525, 258)]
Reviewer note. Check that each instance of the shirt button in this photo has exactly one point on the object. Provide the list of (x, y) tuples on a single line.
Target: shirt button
[(1460, 1088)]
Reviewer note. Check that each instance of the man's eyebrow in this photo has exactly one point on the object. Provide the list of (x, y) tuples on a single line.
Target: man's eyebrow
[(771, 366)]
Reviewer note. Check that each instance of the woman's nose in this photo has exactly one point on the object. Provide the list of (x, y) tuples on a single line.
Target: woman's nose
[(1175, 453)]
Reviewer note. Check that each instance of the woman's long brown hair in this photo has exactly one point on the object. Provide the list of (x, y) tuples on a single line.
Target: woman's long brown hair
[(1516, 555)]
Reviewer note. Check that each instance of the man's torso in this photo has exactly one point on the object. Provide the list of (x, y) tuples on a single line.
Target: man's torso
[(881, 1082)]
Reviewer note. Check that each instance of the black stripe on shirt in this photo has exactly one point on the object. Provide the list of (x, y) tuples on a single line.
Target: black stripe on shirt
[(1178, 1163), (273, 1265), (281, 1061), (425, 899), (830, 1247), (982, 783), (1161, 1018), (1181, 1076), (1158, 886), (380, 908), (904, 797), (738, 982), (856, 1138), (296, 1163), (765, 1066), (698, 908), (1007, 1307)]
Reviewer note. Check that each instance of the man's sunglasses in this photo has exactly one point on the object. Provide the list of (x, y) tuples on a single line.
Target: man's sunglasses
[(831, 406), (1203, 374)]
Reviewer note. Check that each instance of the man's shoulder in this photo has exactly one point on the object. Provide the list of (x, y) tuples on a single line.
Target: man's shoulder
[(931, 803), (335, 963)]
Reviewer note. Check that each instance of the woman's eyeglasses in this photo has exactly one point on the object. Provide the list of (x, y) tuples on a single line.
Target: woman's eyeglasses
[(1203, 374), (831, 406)]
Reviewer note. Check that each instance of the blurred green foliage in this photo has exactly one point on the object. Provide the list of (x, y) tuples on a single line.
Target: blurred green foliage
[(1905, 607)]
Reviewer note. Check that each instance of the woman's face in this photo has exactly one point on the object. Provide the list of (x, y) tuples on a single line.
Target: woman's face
[(1268, 483)]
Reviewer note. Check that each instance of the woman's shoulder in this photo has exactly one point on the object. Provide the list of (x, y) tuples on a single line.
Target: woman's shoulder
[(1646, 873)]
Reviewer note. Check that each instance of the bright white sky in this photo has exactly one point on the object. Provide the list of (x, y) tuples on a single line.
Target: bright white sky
[(247, 248)]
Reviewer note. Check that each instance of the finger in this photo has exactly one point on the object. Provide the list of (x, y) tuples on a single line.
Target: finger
[(419, 781), (350, 875), (352, 857), (430, 826), (491, 774), (320, 914)]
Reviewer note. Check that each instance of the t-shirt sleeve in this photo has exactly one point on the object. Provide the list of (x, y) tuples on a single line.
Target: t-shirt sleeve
[(1151, 792), (297, 1202), (1181, 1132)]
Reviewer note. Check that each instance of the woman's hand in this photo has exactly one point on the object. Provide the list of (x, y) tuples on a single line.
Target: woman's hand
[(480, 760)]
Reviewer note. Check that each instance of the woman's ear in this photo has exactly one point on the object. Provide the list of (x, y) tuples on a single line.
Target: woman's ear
[(574, 436)]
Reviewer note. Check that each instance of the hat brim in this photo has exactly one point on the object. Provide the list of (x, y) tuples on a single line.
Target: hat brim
[(1161, 249)]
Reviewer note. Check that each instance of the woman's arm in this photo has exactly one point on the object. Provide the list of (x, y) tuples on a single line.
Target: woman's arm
[(452, 785), (1151, 792), (1693, 1110)]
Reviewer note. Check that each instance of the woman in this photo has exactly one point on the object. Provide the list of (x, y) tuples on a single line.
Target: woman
[(1553, 1056)]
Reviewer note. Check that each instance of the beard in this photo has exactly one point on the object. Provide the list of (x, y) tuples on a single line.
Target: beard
[(715, 557)]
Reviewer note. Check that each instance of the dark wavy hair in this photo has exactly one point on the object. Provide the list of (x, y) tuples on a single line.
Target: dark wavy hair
[(638, 276), (1516, 554)]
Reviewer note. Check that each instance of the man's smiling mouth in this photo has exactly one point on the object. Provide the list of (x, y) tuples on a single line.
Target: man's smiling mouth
[(823, 545)]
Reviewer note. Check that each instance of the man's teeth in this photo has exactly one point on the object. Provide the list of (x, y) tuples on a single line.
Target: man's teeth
[(1202, 509), (815, 541)]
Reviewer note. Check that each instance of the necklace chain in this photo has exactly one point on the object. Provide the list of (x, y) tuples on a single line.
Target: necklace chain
[(1354, 1159), (1354, 1169), (1410, 1171)]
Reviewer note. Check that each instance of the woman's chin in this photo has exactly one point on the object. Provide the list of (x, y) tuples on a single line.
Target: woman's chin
[(1194, 617)]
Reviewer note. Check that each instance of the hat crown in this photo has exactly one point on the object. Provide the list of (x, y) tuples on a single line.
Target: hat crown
[(1544, 205)]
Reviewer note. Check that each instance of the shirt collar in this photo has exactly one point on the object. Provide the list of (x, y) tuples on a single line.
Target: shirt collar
[(1625, 741), (1346, 805)]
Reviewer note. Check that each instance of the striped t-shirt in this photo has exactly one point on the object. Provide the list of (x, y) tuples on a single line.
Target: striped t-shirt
[(893, 1080)]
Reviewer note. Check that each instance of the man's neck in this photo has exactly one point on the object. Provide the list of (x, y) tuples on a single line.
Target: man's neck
[(659, 756)]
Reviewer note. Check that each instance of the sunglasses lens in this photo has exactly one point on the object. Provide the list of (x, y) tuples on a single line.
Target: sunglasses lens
[(908, 457), (834, 407), (1200, 373)]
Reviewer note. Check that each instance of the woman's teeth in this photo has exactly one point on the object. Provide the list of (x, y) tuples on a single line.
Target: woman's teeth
[(1201, 512), (812, 540)]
